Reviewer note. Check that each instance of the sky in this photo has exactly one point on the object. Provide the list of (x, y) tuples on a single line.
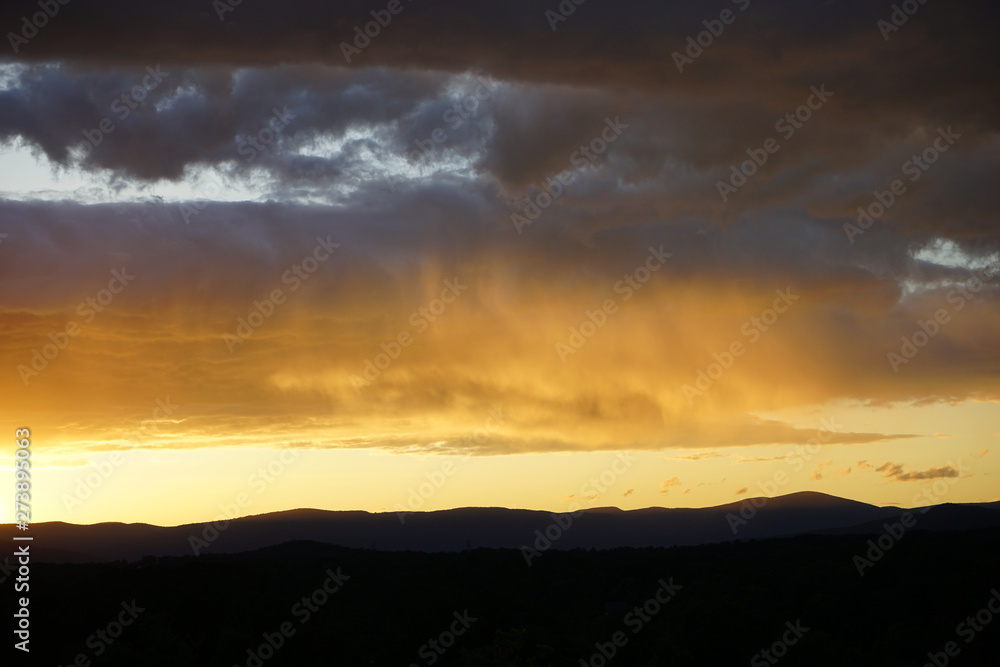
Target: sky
[(407, 256)]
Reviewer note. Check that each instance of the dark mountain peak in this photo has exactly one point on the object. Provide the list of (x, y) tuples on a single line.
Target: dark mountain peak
[(813, 499), (606, 510), (804, 500), (305, 513)]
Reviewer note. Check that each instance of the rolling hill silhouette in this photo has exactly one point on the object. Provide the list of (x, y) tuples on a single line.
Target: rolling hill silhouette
[(460, 529)]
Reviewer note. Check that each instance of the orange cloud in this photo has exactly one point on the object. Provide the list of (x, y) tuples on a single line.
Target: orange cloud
[(667, 484)]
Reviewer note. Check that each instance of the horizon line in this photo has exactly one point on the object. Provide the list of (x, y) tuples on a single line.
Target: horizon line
[(497, 507)]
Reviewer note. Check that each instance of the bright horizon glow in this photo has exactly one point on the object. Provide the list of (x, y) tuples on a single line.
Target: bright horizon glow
[(339, 480)]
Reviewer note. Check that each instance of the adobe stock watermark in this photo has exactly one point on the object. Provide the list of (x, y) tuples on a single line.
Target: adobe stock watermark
[(455, 116), (967, 629), (223, 7), (122, 107), (779, 648), (787, 125), (372, 29), (258, 142), (37, 21), (436, 479), (88, 309), (562, 522), (295, 276), (563, 11), (258, 480), (901, 13), (697, 44), (635, 620), (914, 168), (893, 532), (435, 648), (752, 329), (420, 320), (87, 485), (957, 298), (104, 637), (7, 568), (799, 455), (594, 320), (249, 147), (303, 610), (583, 157), (213, 188)]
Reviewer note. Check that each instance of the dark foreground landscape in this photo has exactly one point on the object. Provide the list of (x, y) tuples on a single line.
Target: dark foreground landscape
[(873, 597)]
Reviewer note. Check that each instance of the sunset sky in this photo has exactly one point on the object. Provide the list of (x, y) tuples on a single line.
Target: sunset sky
[(498, 252)]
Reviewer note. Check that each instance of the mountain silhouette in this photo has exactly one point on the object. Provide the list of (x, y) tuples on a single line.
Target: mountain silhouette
[(498, 528)]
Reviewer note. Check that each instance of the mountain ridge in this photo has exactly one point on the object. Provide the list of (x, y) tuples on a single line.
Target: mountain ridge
[(459, 529)]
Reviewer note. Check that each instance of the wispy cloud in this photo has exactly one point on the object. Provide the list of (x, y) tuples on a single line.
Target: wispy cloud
[(895, 471), (818, 472), (667, 484)]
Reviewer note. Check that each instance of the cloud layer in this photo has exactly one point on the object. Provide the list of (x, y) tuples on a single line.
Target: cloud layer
[(544, 172)]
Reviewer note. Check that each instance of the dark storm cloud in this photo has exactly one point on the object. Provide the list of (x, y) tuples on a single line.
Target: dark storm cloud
[(191, 116), (671, 153), (549, 92), (938, 68)]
